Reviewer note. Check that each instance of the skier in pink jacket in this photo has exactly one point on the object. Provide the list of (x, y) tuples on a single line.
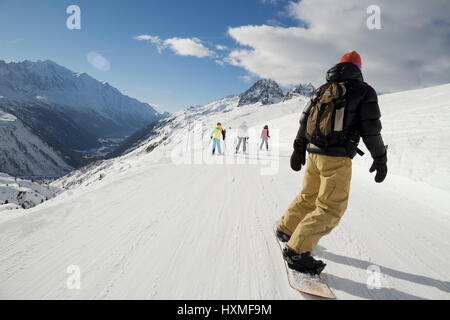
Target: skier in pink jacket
[(265, 137)]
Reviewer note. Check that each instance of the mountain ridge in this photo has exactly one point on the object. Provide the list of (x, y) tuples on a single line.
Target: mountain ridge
[(71, 110)]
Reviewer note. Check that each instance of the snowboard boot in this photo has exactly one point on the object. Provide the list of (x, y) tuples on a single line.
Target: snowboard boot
[(304, 262), (283, 237)]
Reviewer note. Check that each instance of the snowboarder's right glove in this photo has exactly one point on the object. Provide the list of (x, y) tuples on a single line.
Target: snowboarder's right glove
[(298, 157), (379, 165)]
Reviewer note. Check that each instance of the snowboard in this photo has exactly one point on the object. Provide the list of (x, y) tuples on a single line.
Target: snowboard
[(305, 283)]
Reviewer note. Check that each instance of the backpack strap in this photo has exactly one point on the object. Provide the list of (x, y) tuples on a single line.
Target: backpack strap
[(360, 152)]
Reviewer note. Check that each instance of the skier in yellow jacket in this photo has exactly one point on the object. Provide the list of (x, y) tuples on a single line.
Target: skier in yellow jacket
[(216, 135), (340, 112)]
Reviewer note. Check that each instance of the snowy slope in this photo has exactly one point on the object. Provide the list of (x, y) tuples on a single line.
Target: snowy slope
[(18, 193), (23, 153), (417, 130), (141, 226), (171, 133)]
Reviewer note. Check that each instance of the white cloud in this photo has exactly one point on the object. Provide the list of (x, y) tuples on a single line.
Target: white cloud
[(98, 61), (274, 23), (268, 1), (220, 62), (188, 47), (221, 47), (246, 78), (410, 51), (145, 37), (152, 39), (180, 46)]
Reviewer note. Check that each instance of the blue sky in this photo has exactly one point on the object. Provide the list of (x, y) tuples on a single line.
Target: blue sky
[(37, 30), (165, 52)]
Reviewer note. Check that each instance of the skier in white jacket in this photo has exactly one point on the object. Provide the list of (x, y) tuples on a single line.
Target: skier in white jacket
[(242, 137)]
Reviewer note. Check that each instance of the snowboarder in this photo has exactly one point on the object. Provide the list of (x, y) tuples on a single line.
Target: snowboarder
[(216, 136), (265, 137), (339, 113), (242, 137)]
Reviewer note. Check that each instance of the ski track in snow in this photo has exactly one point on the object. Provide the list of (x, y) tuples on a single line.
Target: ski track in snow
[(188, 238), (155, 230)]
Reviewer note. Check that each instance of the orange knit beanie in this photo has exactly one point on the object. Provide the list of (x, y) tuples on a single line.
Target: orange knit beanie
[(352, 57)]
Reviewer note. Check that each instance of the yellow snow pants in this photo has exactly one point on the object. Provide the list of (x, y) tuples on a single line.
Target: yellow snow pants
[(321, 204)]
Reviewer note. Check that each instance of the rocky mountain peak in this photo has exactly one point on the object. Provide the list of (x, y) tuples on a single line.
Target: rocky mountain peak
[(265, 91)]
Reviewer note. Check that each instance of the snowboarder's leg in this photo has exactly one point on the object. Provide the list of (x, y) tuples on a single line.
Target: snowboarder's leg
[(219, 149), (267, 143), (244, 147), (305, 202), (335, 176)]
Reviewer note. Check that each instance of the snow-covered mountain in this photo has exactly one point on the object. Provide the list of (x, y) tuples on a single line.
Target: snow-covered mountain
[(17, 193), (265, 91), (23, 153), (306, 90), (72, 110), (159, 223)]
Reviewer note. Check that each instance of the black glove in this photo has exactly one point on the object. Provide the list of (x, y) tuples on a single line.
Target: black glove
[(379, 165), (298, 157)]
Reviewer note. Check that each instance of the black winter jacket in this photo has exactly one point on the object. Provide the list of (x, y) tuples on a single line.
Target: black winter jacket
[(361, 118)]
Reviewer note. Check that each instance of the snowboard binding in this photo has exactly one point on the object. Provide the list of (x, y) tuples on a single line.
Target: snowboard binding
[(303, 263)]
